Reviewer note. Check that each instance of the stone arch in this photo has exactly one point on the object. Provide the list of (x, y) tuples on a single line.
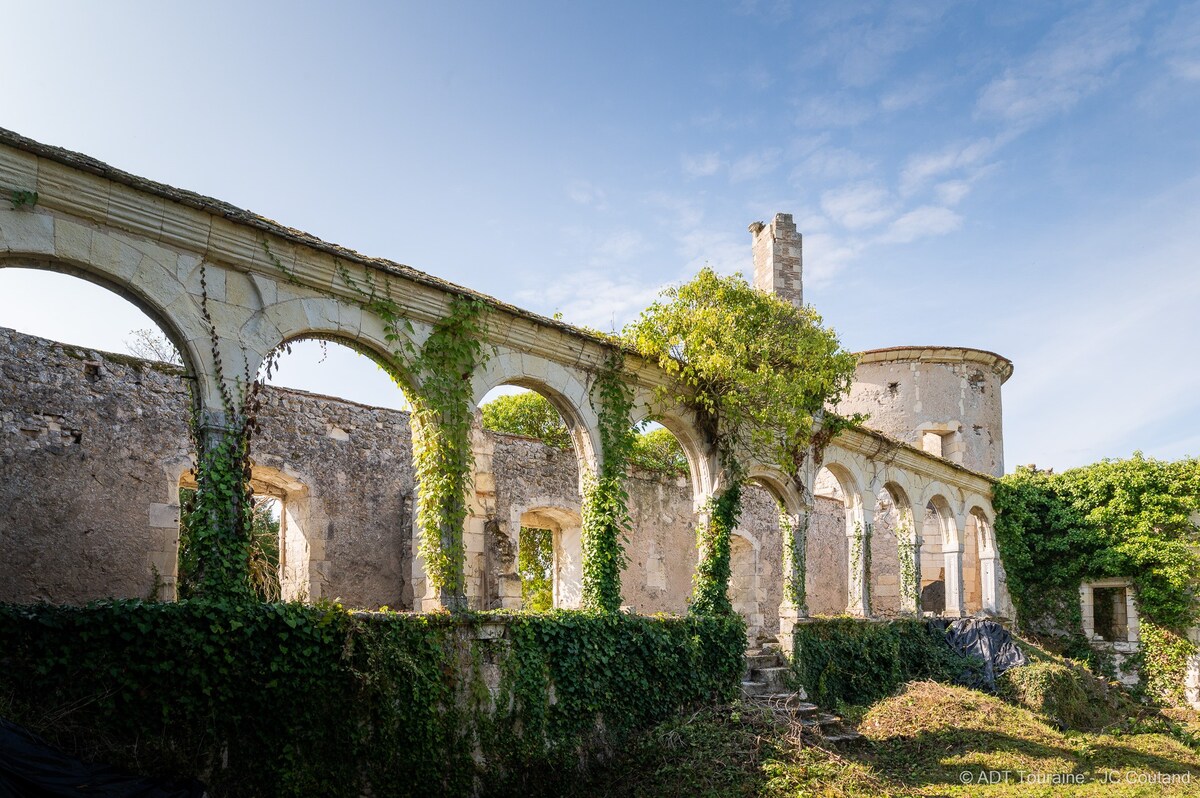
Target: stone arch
[(564, 390), (939, 540), (702, 471), (981, 571), (328, 319), (170, 307)]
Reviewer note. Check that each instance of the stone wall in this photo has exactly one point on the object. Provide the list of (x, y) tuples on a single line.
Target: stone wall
[(94, 447)]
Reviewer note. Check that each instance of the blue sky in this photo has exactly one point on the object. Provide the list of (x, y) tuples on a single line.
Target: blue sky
[(1018, 177)]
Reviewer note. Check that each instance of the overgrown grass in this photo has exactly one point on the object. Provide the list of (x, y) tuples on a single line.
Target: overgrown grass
[(919, 742)]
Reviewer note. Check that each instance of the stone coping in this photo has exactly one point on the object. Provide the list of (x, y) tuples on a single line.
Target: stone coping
[(939, 354)]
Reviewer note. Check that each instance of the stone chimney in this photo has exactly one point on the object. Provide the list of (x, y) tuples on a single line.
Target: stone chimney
[(779, 259)]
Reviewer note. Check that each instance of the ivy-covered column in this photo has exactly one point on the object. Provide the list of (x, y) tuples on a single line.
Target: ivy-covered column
[(794, 607), (858, 539), (605, 500), (215, 558), (442, 455), (908, 539), (710, 592)]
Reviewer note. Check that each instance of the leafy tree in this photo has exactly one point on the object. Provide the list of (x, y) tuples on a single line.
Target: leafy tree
[(535, 566), (659, 450), (529, 414), (757, 371)]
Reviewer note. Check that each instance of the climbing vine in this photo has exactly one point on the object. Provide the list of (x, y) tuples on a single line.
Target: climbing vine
[(605, 516), (441, 417), (795, 542), (910, 580), (442, 456), (214, 560), (710, 594)]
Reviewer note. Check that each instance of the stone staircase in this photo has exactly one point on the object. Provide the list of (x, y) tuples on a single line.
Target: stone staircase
[(764, 683)]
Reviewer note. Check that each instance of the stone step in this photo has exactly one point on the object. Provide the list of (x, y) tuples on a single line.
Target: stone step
[(760, 660), (753, 689), (776, 678), (844, 738)]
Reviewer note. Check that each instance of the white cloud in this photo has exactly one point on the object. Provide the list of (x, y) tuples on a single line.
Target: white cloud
[(858, 206), (1178, 43), (834, 110), (825, 255), (924, 167), (952, 192), (1077, 58), (596, 298), (928, 220), (754, 165), (833, 163), (620, 245), (584, 193), (702, 165)]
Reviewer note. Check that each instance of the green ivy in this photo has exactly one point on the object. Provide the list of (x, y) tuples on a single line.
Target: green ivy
[(605, 511), (264, 699), (1117, 518), (440, 394), (535, 567), (441, 432), (795, 539), (858, 661), (710, 588), (1163, 662)]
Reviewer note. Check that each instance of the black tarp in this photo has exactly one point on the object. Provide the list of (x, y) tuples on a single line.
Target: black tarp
[(31, 768), (986, 640)]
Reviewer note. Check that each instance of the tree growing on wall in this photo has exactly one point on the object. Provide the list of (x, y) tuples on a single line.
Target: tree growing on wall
[(757, 371)]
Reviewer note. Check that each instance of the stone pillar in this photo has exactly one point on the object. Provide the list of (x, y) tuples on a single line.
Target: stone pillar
[(1191, 679), (1132, 625), (908, 538), (858, 539), (953, 554), (779, 259), (1087, 611), (989, 583), (794, 607)]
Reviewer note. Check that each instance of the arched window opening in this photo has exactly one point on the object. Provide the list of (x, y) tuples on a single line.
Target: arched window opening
[(934, 536), (828, 555), (661, 545), (93, 421)]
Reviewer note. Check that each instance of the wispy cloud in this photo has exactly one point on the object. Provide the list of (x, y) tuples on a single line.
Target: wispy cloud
[(928, 220), (1178, 43), (702, 165), (924, 167), (858, 206), (598, 298), (584, 193), (1077, 58), (754, 165)]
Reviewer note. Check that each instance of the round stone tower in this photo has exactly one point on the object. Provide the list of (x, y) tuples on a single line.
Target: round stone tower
[(943, 399)]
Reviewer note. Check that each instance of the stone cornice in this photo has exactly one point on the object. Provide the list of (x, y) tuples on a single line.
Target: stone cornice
[(880, 448), (940, 354)]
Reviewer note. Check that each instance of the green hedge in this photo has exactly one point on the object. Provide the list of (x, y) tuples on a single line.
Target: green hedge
[(855, 661), (293, 699)]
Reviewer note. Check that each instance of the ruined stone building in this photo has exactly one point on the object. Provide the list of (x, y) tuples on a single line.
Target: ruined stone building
[(94, 447)]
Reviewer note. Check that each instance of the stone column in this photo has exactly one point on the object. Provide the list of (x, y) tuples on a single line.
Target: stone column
[(794, 607), (1132, 625), (953, 553), (909, 542), (989, 583), (858, 539)]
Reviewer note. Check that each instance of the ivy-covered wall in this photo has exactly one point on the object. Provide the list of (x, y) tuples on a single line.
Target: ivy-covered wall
[(293, 699)]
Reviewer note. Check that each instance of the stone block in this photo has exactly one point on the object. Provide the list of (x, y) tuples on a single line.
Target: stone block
[(164, 516), (26, 231)]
